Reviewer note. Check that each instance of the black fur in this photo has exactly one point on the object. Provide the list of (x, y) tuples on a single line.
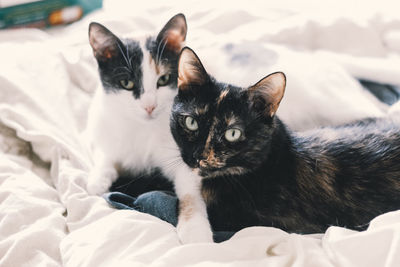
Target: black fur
[(137, 184), (299, 182)]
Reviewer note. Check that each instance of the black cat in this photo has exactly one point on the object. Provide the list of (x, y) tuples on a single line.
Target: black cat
[(257, 172)]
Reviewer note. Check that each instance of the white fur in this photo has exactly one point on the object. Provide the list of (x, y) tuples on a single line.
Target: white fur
[(121, 132)]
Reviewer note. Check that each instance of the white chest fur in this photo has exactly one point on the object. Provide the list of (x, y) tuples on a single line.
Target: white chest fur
[(125, 136)]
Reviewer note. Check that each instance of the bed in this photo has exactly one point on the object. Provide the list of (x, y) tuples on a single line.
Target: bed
[(47, 79)]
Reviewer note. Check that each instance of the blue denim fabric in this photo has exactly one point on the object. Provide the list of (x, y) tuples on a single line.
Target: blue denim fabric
[(156, 203), (162, 204)]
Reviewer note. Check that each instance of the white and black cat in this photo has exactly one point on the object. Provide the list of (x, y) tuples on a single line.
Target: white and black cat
[(257, 172), (128, 122)]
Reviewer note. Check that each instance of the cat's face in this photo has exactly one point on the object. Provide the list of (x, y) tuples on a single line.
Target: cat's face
[(222, 129), (141, 74)]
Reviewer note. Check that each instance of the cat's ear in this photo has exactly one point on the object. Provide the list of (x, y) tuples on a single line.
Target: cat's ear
[(174, 33), (190, 70), (104, 43), (266, 95)]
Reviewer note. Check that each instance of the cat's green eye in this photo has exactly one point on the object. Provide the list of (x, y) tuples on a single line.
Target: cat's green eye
[(191, 123), (232, 135), (163, 80), (127, 84)]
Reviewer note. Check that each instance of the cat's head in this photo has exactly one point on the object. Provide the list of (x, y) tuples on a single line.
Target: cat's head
[(141, 73), (223, 129)]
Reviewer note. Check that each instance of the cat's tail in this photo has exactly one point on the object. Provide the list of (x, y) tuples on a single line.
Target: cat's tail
[(381, 70)]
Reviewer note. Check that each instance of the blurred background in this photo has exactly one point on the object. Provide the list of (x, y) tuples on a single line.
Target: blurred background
[(342, 62), (43, 13), (335, 52)]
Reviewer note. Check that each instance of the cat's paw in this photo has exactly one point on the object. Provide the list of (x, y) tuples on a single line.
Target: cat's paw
[(100, 181), (195, 230)]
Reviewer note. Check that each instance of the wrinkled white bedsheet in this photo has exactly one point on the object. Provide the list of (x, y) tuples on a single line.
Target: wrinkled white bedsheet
[(46, 82)]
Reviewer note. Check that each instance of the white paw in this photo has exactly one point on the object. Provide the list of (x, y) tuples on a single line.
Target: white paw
[(99, 181), (195, 230)]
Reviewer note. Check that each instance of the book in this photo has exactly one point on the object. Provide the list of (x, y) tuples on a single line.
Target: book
[(43, 13)]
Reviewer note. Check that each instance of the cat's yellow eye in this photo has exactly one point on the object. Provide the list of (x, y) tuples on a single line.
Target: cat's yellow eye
[(191, 123), (232, 135), (163, 80), (127, 84)]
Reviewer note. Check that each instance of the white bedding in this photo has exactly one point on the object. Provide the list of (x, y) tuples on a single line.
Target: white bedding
[(46, 82)]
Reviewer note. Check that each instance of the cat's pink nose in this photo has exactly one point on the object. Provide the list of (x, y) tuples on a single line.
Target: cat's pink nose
[(149, 109)]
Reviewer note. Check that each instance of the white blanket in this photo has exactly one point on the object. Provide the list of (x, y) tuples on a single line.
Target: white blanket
[(46, 82)]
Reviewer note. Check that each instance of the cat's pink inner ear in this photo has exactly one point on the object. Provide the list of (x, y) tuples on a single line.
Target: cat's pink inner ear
[(190, 70), (271, 90), (174, 33), (175, 40), (102, 41)]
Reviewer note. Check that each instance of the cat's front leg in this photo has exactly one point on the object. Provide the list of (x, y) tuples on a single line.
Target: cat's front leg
[(102, 174), (193, 224)]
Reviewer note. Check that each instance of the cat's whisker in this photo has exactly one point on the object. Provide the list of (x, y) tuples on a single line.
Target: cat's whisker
[(129, 58), (171, 162), (120, 67), (119, 71), (362, 226), (162, 50), (123, 54), (158, 49), (134, 179), (170, 159), (171, 148), (173, 165)]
